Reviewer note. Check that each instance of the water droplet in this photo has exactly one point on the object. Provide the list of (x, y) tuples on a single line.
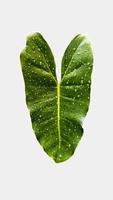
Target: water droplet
[(67, 82), (69, 145)]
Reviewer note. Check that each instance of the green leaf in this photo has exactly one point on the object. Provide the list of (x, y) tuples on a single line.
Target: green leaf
[(57, 109)]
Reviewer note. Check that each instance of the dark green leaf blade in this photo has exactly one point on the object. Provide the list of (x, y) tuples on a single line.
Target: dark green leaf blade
[(57, 110)]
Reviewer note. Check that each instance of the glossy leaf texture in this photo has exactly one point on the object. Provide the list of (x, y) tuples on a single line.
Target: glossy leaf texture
[(57, 109)]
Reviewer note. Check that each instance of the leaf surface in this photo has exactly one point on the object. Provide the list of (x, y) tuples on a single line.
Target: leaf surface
[(57, 109)]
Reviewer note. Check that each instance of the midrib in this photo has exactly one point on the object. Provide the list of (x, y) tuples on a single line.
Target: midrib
[(58, 113)]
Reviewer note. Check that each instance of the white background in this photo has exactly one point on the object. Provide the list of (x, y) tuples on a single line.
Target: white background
[(26, 172)]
